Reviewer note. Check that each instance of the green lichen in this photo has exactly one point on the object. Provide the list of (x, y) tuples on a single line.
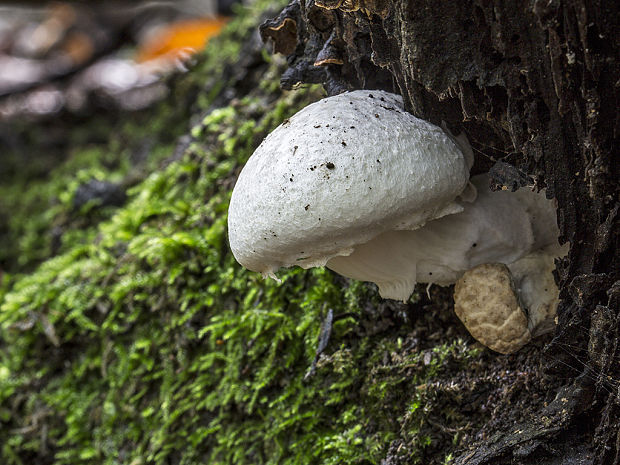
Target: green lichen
[(143, 342)]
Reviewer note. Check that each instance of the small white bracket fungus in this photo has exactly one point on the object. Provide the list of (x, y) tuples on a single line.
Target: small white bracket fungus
[(337, 174), (356, 183)]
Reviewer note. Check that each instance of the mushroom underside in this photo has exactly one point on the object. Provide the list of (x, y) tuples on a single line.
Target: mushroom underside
[(499, 227)]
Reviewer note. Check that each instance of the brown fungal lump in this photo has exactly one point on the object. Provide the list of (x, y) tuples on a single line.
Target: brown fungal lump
[(486, 302)]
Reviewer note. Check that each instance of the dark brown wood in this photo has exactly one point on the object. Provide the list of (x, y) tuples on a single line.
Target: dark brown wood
[(536, 87)]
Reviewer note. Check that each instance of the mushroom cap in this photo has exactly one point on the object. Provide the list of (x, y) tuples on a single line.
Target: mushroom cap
[(338, 173)]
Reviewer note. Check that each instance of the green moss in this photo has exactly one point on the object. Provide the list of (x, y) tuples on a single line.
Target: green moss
[(39, 216), (143, 342)]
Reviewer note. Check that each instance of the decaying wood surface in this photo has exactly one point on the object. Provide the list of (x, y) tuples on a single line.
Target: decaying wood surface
[(536, 87)]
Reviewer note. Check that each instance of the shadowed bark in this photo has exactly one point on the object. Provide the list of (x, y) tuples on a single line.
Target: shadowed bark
[(535, 87)]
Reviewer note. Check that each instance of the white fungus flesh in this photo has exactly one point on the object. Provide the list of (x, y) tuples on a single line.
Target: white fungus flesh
[(498, 227), (337, 174)]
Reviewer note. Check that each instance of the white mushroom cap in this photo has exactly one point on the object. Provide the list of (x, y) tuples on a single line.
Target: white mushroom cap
[(337, 174)]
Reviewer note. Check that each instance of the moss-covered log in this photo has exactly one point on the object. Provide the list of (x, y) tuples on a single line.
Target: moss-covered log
[(130, 335)]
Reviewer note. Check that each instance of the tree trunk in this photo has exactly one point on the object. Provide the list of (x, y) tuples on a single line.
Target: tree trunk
[(535, 87)]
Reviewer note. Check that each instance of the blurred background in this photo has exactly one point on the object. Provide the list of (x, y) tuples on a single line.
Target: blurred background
[(79, 83), (78, 57)]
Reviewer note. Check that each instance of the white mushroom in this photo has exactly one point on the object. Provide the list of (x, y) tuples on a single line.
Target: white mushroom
[(337, 174), (356, 183)]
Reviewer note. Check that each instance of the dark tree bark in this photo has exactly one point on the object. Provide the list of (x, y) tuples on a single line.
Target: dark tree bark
[(535, 85)]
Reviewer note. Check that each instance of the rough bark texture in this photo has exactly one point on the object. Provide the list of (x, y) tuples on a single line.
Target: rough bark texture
[(535, 87)]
